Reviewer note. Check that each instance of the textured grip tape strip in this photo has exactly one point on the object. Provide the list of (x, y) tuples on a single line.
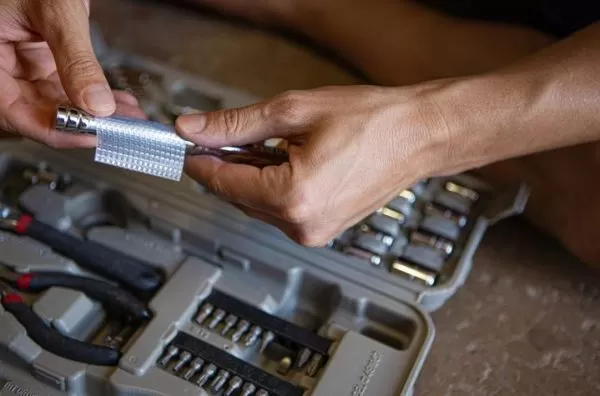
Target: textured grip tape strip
[(141, 146)]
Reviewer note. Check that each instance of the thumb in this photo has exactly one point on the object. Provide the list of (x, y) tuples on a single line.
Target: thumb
[(279, 117), (65, 26)]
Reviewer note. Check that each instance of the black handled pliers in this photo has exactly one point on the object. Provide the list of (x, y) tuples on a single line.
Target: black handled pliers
[(130, 272), (113, 298)]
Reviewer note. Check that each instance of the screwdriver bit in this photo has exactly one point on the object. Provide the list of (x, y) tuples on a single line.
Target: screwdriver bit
[(171, 352), (234, 385), (408, 195), (195, 366), (229, 323), (203, 313), (220, 380), (247, 389), (241, 328), (303, 357), (206, 374), (183, 359), (262, 392), (252, 336), (439, 211), (462, 191), (216, 318), (267, 338), (433, 242), (313, 365)]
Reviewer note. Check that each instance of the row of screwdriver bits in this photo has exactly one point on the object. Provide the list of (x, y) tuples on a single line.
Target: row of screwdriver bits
[(293, 347), (218, 372)]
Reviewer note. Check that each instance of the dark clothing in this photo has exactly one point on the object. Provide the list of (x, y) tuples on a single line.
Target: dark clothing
[(559, 18)]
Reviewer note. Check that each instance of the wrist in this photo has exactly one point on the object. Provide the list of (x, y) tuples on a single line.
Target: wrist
[(486, 118)]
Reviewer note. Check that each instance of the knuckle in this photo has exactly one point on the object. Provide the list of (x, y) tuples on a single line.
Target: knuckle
[(288, 108), (80, 65), (231, 122), (298, 205), (309, 237)]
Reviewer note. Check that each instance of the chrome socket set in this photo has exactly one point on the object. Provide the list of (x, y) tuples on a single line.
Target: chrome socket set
[(240, 309)]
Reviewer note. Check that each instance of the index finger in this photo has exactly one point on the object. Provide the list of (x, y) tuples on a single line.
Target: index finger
[(261, 189), (37, 123)]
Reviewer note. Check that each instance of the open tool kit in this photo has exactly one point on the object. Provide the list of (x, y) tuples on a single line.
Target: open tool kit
[(118, 282)]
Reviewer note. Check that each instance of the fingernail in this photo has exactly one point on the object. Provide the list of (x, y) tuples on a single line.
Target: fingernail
[(191, 123), (99, 98)]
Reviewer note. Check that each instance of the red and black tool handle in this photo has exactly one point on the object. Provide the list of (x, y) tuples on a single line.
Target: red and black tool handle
[(53, 341), (128, 271), (113, 298)]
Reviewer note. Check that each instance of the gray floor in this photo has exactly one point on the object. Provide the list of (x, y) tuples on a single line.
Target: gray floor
[(528, 320)]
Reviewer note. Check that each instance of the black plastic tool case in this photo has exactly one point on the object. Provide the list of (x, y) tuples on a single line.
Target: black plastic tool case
[(368, 325)]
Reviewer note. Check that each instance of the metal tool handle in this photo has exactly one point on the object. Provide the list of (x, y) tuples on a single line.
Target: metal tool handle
[(111, 297), (69, 119), (53, 341), (128, 271)]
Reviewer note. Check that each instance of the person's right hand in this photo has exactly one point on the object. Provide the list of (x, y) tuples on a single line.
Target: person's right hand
[(46, 58)]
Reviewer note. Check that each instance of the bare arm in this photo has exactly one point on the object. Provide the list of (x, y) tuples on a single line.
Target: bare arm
[(545, 101)]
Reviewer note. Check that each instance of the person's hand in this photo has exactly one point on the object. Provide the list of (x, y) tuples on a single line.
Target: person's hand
[(46, 58), (351, 150)]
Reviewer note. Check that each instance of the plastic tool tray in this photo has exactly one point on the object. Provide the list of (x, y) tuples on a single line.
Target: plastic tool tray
[(242, 310)]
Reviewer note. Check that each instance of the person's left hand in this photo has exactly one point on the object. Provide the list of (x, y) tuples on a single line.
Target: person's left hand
[(352, 149)]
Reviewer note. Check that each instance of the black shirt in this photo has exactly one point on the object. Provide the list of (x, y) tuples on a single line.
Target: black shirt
[(559, 18)]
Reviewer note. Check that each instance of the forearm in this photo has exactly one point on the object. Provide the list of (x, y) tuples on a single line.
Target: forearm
[(546, 101)]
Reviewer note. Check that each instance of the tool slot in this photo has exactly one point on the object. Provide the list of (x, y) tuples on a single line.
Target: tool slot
[(268, 322), (235, 366)]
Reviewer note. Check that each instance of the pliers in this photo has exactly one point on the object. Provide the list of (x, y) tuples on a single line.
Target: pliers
[(130, 272), (114, 299)]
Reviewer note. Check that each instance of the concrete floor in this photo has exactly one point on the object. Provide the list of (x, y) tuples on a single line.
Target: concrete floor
[(527, 322)]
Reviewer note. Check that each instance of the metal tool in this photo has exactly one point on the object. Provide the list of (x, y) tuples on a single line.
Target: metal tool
[(183, 359), (205, 310), (195, 366), (123, 335), (230, 321), (373, 259), (432, 241), (409, 196), (392, 214), (241, 328), (247, 389), (115, 299), (72, 120), (170, 354), (412, 271), (303, 357), (216, 318), (208, 372), (262, 392), (222, 359), (43, 175), (50, 339), (267, 338), (436, 210), (463, 191), (252, 336), (314, 364), (384, 239), (234, 384), (287, 331), (220, 380), (129, 271), (284, 365)]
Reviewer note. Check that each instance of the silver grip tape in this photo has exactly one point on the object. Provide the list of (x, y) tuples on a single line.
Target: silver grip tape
[(142, 146)]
